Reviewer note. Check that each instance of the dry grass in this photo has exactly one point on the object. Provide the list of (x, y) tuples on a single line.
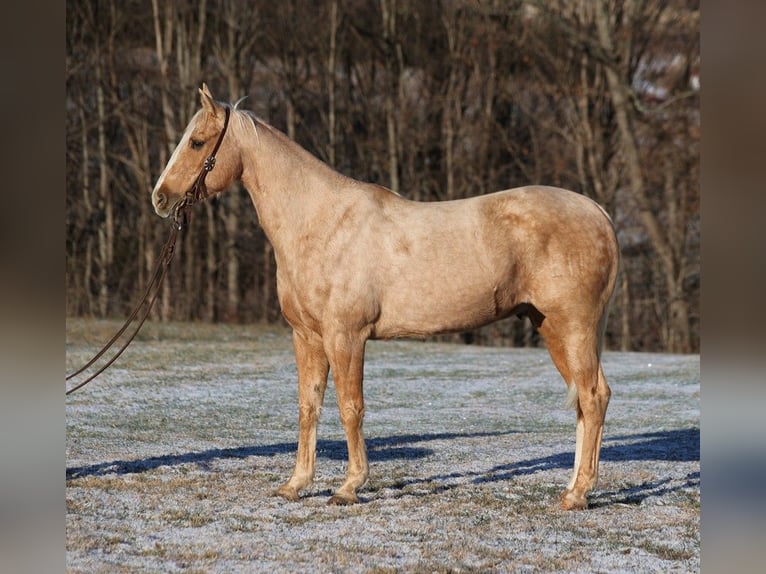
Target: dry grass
[(173, 455)]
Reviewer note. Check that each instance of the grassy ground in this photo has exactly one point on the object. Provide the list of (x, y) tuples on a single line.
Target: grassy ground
[(173, 453)]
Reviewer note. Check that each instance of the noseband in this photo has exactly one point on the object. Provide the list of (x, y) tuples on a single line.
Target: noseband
[(198, 191), (181, 217)]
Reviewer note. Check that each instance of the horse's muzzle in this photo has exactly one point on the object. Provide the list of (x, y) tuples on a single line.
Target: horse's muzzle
[(163, 206)]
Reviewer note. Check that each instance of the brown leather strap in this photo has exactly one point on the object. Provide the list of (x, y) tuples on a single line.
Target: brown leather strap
[(198, 191), (181, 219), (150, 296)]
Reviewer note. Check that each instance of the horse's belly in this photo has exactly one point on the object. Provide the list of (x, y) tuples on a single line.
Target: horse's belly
[(439, 311)]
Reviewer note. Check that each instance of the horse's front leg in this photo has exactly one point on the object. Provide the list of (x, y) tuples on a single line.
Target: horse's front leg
[(312, 381), (346, 354)]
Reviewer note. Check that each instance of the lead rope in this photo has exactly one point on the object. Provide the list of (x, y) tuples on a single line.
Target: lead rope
[(150, 296), (181, 219)]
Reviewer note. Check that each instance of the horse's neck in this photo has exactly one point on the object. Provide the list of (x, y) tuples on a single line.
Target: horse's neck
[(288, 185)]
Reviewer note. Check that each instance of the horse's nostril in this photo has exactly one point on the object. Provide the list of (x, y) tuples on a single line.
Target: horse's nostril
[(161, 200)]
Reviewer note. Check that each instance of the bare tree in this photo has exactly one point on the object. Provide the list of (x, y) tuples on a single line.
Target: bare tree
[(393, 63), (235, 48), (437, 99), (618, 51)]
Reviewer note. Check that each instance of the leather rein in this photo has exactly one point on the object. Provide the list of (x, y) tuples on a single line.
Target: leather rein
[(181, 218)]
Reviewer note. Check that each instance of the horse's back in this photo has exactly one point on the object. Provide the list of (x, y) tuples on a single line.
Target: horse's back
[(541, 201), (453, 265)]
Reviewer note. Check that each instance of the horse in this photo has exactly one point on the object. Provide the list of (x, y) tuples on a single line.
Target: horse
[(356, 261)]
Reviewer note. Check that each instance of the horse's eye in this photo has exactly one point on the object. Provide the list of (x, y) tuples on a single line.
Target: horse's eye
[(197, 144)]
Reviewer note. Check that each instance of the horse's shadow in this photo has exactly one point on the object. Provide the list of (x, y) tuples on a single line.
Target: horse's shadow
[(379, 449), (682, 445)]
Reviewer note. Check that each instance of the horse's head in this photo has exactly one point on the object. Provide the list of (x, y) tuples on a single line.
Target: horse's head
[(196, 145)]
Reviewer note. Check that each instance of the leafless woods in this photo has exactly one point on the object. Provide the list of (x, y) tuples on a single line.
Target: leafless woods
[(437, 100)]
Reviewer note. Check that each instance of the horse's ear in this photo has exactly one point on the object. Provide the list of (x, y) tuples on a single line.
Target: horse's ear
[(208, 103)]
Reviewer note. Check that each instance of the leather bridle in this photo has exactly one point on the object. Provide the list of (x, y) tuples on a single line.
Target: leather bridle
[(181, 218), (198, 191)]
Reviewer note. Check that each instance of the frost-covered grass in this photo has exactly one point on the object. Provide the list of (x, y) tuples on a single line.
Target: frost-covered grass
[(174, 452)]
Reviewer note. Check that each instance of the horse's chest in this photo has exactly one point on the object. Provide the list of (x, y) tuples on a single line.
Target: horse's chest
[(303, 300)]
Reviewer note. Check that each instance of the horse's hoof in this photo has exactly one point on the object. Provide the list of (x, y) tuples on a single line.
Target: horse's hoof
[(338, 499), (571, 501), (287, 492)]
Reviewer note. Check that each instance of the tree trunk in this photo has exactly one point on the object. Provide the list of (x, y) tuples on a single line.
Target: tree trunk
[(625, 319), (88, 215), (680, 334), (331, 58), (268, 281), (210, 264), (619, 89), (231, 223), (230, 59), (163, 44), (106, 227), (392, 61), (490, 87), (451, 101)]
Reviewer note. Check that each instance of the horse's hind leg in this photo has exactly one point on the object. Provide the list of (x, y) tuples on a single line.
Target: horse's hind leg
[(591, 409), (576, 355), (312, 381)]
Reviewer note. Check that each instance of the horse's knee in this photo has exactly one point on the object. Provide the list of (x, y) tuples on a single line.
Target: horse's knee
[(308, 414), (307, 411), (352, 414)]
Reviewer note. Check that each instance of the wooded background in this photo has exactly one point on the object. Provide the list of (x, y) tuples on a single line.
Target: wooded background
[(435, 99)]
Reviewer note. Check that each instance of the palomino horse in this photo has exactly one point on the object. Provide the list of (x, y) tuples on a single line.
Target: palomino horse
[(356, 261)]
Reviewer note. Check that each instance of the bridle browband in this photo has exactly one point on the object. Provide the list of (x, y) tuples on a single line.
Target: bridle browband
[(181, 218)]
